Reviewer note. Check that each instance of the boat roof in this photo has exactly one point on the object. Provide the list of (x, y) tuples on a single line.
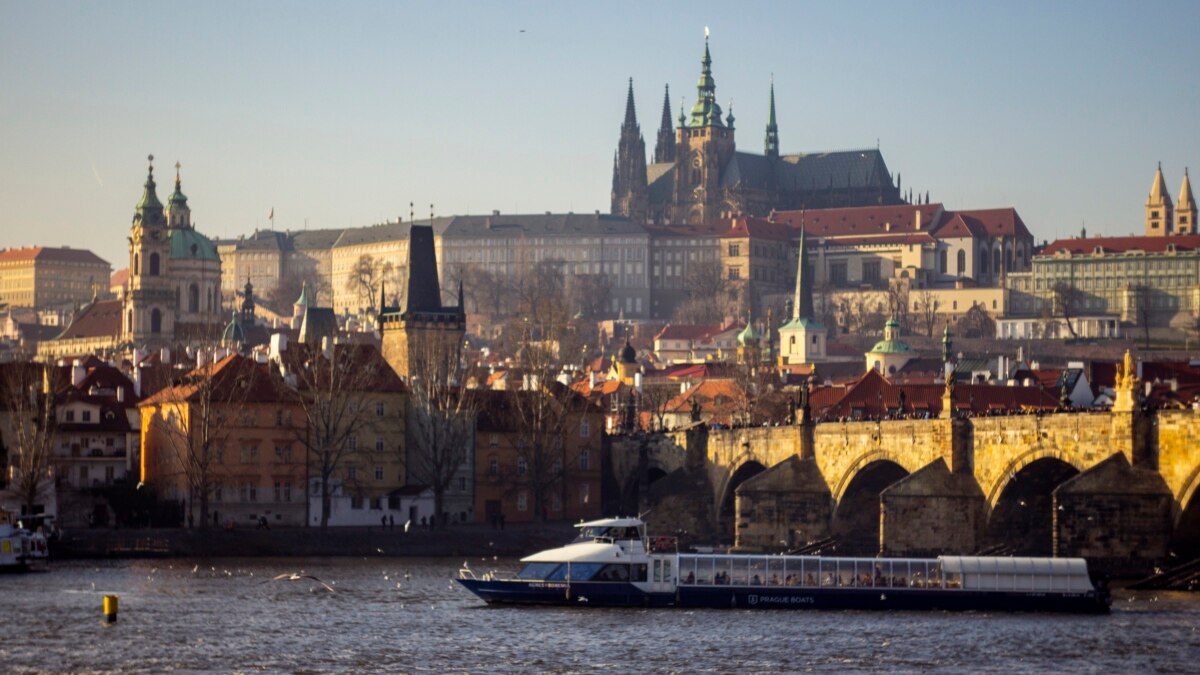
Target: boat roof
[(1002, 565), (597, 552), (612, 522)]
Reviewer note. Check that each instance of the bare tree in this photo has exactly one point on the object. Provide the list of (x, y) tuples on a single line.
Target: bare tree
[(590, 293), (653, 401), (1144, 298), (291, 284), (699, 311), (442, 414), (333, 389), (27, 437), (366, 276), (976, 323), (705, 280), (191, 421), (1067, 302), (897, 305), (927, 311)]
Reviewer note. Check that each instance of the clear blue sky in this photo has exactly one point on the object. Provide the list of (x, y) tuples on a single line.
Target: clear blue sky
[(340, 114)]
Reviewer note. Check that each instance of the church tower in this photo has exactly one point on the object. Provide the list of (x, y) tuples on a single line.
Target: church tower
[(630, 193), (149, 312), (178, 213), (704, 144), (664, 148), (771, 145), (1158, 207), (802, 340), (1185, 211)]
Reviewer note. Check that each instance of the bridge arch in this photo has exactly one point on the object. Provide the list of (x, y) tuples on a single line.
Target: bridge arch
[(1021, 521), (745, 471), (865, 460), (1014, 466), (856, 516), (1185, 537)]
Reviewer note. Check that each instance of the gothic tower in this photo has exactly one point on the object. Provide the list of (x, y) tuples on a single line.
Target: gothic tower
[(1158, 207), (771, 146), (630, 194), (149, 312), (704, 143), (1185, 210), (664, 148), (802, 340)]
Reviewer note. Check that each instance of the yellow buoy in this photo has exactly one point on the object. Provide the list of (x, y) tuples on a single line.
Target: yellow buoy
[(110, 608)]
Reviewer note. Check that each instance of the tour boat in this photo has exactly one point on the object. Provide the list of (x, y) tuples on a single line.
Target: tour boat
[(20, 549), (613, 564)]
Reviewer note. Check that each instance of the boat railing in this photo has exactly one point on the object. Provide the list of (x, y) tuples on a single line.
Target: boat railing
[(662, 544)]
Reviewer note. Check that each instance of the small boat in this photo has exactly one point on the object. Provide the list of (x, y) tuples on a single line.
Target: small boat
[(612, 563), (20, 549)]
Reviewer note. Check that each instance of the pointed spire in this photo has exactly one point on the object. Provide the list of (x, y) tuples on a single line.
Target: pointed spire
[(664, 148), (1159, 209), (630, 111), (1158, 189), (802, 302), (1185, 192), (772, 140), (1185, 211), (729, 117), (706, 112)]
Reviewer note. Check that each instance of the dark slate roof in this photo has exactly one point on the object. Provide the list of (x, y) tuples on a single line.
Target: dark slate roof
[(424, 293), (660, 178), (318, 322), (52, 253), (309, 239), (841, 169), (547, 224)]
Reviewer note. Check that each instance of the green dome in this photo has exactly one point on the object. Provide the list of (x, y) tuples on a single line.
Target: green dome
[(234, 333), (187, 244), (748, 334), (890, 347)]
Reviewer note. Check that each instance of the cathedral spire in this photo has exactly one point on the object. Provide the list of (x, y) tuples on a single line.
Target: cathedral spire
[(1159, 208), (706, 112), (772, 141), (630, 111), (149, 209), (664, 148)]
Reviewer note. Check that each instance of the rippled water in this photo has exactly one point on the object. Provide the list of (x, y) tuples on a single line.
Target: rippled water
[(227, 615)]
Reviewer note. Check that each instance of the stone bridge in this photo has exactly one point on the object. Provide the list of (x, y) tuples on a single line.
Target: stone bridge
[(1117, 487)]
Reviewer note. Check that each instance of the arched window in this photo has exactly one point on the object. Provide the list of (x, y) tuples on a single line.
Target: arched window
[(129, 323), (996, 261), (1008, 259), (153, 264), (193, 298), (942, 261), (522, 466), (137, 268), (962, 263), (155, 320), (983, 261)]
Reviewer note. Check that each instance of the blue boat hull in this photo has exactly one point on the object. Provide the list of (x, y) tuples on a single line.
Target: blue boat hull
[(517, 592)]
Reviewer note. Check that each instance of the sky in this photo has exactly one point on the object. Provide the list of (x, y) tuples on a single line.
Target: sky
[(342, 114)]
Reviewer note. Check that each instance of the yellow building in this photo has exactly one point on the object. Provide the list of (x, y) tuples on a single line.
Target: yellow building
[(40, 276)]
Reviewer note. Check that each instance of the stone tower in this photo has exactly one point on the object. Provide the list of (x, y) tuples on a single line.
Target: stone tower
[(703, 144), (1185, 210), (423, 338), (149, 312), (664, 147), (630, 192), (1158, 207)]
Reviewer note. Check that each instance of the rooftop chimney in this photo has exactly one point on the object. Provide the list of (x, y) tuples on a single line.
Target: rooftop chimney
[(78, 372)]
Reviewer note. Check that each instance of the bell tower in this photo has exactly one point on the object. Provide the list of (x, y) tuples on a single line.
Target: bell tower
[(630, 193), (149, 312), (1159, 208), (1185, 210), (704, 144)]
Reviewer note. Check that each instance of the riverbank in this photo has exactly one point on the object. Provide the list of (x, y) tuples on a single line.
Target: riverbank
[(469, 540)]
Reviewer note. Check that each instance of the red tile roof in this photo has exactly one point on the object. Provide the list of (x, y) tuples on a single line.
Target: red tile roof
[(1182, 242), (861, 221), (99, 319), (1002, 222), (119, 278), (873, 396), (75, 255), (756, 228)]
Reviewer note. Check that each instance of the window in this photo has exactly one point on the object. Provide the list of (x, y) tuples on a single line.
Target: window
[(70, 415), (351, 471), (493, 440), (376, 504), (356, 502), (735, 273), (962, 263), (217, 493), (87, 415), (83, 473), (735, 250), (352, 442), (493, 465), (871, 272), (942, 261), (278, 418), (837, 273), (557, 467), (379, 473), (379, 408), (193, 298), (584, 493), (249, 454), (283, 453), (155, 321), (462, 483), (584, 459), (522, 466), (522, 501), (248, 492), (584, 429), (153, 264)]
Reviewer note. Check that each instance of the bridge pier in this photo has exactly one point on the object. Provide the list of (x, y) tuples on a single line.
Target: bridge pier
[(783, 508), (932, 511)]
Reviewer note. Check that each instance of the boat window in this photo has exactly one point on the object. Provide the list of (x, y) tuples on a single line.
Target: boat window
[(883, 573), (845, 577), (935, 575), (737, 575), (638, 572), (776, 571), (615, 572), (954, 580), (538, 570), (687, 570), (828, 572), (704, 570), (721, 571), (560, 574), (583, 571), (666, 570), (916, 579), (758, 571)]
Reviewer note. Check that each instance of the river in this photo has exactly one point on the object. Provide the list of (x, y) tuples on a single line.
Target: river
[(405, 615)]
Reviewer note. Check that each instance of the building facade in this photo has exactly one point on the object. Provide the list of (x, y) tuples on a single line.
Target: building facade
[(44, 276)]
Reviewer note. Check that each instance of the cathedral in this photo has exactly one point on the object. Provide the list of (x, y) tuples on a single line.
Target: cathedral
[(174, 292), (699, 176)]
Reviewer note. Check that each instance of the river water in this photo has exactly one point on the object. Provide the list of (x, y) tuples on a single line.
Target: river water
[(404, 615)]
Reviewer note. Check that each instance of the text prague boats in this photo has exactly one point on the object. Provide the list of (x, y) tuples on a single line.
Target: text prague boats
[(612, 563)]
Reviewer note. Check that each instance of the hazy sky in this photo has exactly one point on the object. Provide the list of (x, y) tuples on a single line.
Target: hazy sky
[(340, 114)]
